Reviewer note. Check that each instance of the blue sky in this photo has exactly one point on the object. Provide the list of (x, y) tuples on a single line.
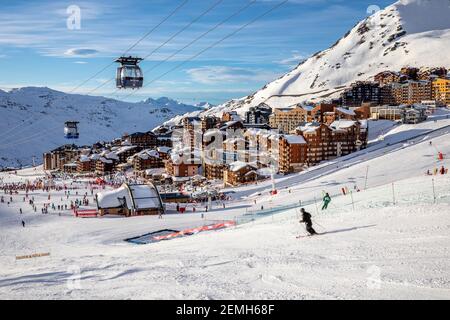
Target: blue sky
[(37, 48)]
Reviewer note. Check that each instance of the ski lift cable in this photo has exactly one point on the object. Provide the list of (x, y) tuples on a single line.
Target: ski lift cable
[(32, 137), (198, 38), (209, 9), (13, 132), (6, 133), (135, 44), (214, 44)]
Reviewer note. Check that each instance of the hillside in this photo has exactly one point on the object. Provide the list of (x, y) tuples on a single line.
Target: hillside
[(33, 120), (407, 33)]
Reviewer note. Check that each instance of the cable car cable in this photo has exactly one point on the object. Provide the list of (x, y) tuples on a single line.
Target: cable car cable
[(215, 43), (135, 44), (209, 9), (199, 38)]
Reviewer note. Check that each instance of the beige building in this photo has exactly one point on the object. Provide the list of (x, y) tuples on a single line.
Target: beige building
[(287, 119)]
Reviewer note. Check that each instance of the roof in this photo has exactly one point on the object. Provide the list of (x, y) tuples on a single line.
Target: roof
[(295, 139), (239, 165), (164, 149), (342, 124), (346, 111), (132, 196), (309, 127)]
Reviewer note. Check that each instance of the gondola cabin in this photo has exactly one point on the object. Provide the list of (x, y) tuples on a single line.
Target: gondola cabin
[(129, 75), (71, 130)]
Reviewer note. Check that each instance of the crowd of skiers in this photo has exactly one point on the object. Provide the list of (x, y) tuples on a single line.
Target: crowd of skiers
[(436, 171)]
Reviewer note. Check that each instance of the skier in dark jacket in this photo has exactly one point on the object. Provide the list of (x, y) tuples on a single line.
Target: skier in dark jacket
[(306, 219)]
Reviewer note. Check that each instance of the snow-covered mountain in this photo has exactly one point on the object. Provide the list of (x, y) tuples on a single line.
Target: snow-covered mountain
[(407, 33), (32, 120)]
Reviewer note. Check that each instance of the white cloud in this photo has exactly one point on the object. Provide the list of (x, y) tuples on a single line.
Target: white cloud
[(81, 52), (221, 74), (293, 60)]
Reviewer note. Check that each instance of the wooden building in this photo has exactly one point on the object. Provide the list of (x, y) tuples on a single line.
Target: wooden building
[(292, 153), (239, 172)]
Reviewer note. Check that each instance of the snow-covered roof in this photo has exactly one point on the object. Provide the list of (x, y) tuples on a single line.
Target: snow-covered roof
[(238, 165), (154, 171), (110, 199), (346, 111), (342, 124), (84, 158), (143, 196), (295, 139), (94, 156), (309, 127), (104, 160), (147, 153), (164, 149)]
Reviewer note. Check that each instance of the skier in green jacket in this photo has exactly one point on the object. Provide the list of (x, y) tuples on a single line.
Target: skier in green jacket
[(326, 201)]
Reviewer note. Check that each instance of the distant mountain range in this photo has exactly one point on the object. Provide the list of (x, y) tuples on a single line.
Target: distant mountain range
[(32, 120)]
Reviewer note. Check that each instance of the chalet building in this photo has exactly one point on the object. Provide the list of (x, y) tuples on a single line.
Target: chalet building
[(231, 125), (163, 136), (348, 137), (130, 200), (214, 171), (414, 92), (192, 135), (413, 114), (87, 163), (319, 111), (387, 77), (177, 167), (287, 119), (360, 92), (386, 112), (124, 152), (338, 114), (239, 172), (230, 116), (429, 73), (57, 158), (292, 153), (147, 140), (105, 166), (321, 145), (441, 91), (164, 152), (363, 112), (209, 122), (412, 73), (146, 159), (409, 92), (259, 114), (70, 167)]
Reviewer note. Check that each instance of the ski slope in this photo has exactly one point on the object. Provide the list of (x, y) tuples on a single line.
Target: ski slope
[(385, 242)]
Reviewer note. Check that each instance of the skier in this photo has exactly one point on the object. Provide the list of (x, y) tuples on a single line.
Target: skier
[(23, 223), (326, 201), (306, 219), (442, 170)]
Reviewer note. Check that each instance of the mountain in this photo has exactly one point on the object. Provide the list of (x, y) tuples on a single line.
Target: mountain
[(407, 33), (33, 120)]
